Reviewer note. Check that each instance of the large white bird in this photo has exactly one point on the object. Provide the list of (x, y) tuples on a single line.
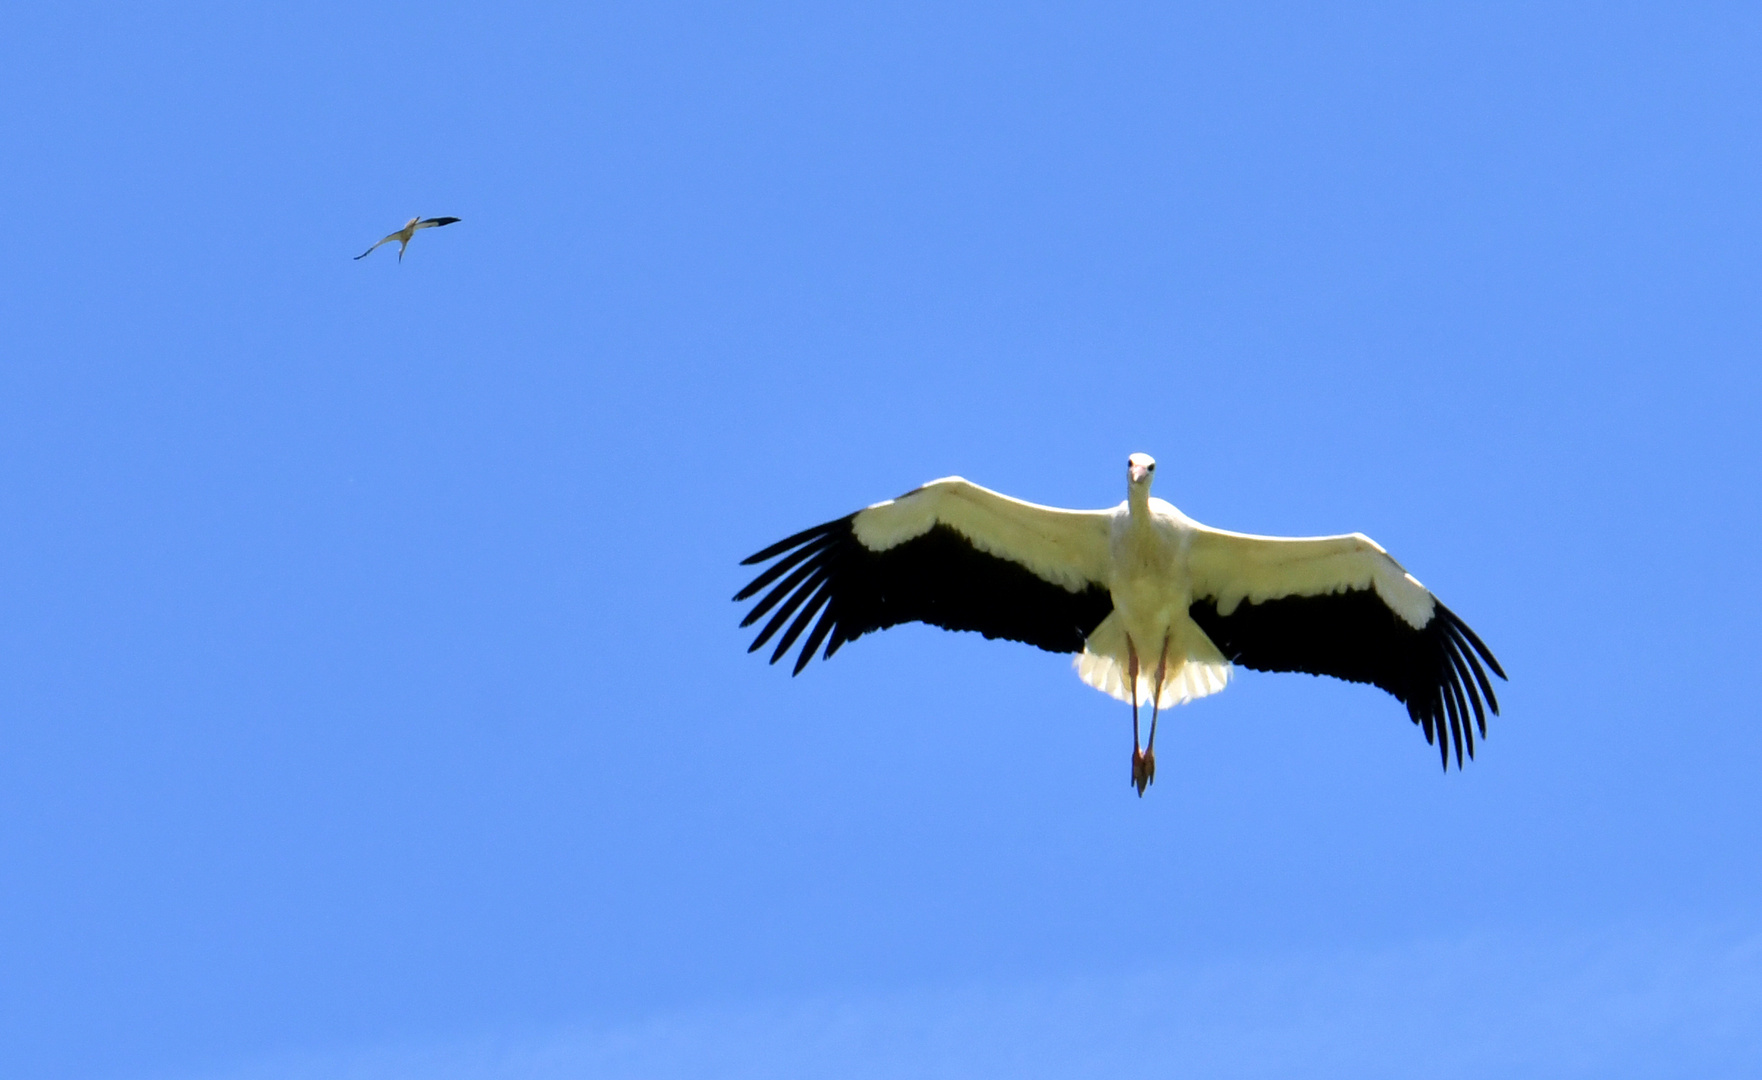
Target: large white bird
[(403, 235), (1156, 605)]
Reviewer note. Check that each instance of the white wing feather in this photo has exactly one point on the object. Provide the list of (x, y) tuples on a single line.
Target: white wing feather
[(1066, 547), (1231, 567)]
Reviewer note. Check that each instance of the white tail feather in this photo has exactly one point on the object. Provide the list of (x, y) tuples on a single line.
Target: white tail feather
[(1194, 667), (1186, 681)]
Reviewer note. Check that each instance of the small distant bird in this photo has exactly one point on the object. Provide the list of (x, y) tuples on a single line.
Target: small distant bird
[(403, 235), (1157, 606)]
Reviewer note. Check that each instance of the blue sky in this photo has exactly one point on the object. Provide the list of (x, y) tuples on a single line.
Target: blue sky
[(371, 702)]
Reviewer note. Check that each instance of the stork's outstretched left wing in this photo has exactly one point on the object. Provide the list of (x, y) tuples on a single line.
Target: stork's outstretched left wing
[(952, 554), (1340, 606)]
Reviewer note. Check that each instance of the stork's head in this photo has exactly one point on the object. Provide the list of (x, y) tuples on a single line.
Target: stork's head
[(1140, 470)]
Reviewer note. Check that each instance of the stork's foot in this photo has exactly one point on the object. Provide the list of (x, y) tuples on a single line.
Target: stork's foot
[(1143, 769)]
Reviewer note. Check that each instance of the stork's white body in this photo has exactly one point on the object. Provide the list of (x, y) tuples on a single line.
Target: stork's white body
[(1152, 588)]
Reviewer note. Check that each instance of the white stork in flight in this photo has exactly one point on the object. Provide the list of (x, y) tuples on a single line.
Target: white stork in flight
[(1156, 605), (403, 235)]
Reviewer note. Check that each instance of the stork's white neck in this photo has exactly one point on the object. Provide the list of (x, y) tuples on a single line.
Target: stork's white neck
[(1138, 501)]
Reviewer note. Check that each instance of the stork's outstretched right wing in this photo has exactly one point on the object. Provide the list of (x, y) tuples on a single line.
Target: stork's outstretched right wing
[(951, 554)]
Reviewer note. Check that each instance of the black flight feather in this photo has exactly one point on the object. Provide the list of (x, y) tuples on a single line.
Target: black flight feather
[(938, 578), (1354, 635)]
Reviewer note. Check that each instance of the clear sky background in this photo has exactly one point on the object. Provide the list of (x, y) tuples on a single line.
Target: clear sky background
[(371, 701)]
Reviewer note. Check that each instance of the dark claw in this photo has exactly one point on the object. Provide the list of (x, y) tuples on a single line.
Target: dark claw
[(1143, 770)]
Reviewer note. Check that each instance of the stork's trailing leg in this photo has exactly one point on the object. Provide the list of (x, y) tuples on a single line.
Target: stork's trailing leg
[(1137, 755), (1149, 769)]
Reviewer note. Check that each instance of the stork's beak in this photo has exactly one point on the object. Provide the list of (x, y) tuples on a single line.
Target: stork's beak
[(1136, 473)]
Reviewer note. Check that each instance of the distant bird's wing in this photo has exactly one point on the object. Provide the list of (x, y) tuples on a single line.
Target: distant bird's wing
[(951, 554), (399, 235), (435, 222), (1340, 606)]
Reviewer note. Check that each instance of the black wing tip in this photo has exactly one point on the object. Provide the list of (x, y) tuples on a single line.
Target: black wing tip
[(817, 635), (795, 541), (440, 221), (819, 598), (807, 553), (1468, 684), (1443, 728), (1474, 640)]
